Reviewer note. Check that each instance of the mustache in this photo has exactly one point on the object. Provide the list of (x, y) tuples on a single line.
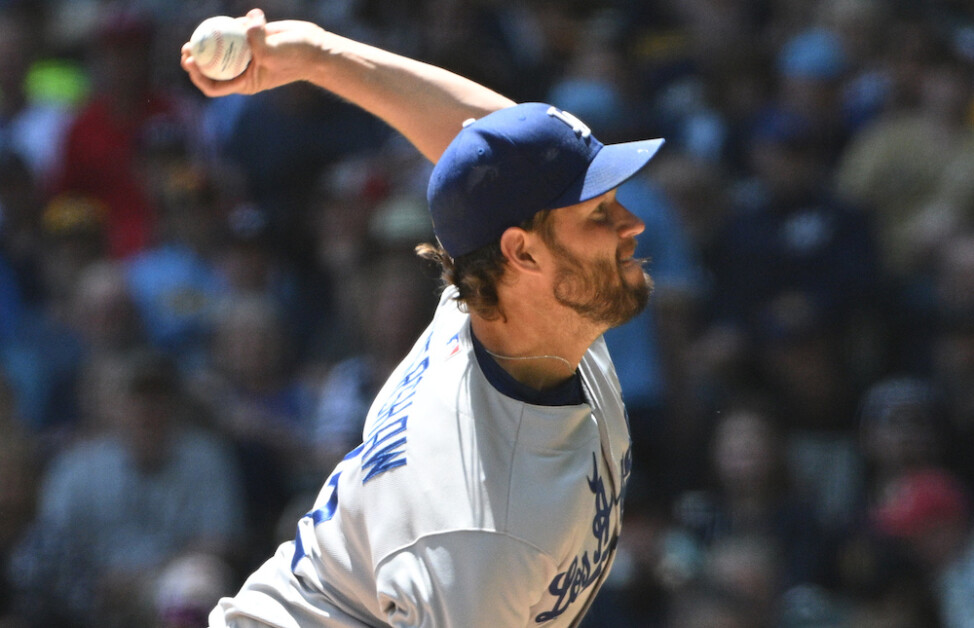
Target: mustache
[(628, 250)]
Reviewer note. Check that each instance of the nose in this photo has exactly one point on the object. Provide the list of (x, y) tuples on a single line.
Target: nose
[(628, 224)]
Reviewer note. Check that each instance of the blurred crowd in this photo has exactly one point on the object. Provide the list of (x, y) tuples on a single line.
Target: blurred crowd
[(199, 298)]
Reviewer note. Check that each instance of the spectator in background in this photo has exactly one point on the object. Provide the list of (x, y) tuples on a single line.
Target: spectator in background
[(788, 234), (96, 319), (345, 198), (283, 148), (903, 429), (751, 498), (705, 75), (709, 606), (394, 302), (810, 607), (502, 44), (811, 66), (21, 234), (257, 400), (951, 347), (800, 362), (103, 142), (703, 368), (749, 567), (388, 305), (99, 383), (103, 314), (17, 252), (596, 83), (188, 587), (248, 263), (795, 283), (42, 355), (930, 511), (115, 508), (74, 238), (19, 470), (906, 167), (29, 127), (698, 190), (862, 28), (175, 283)]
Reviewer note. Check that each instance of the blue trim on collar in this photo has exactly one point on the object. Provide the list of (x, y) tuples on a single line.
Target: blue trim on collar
[(569, 393)]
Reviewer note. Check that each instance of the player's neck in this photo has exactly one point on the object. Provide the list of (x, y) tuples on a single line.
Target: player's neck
[(538, 353)]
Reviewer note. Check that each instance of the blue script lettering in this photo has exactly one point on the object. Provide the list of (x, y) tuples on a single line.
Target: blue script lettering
[(584, 571), (320, 515), (379, 452), (382, 449)]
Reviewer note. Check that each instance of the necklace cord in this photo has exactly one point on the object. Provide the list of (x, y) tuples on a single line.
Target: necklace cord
[(532, 357)]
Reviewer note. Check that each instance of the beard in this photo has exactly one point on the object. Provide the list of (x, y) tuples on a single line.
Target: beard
[(599, 291)]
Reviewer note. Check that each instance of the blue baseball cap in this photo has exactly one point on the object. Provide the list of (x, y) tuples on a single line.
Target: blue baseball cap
[(502, 169)]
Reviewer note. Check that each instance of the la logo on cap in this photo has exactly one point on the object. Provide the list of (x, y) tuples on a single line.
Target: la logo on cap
[(580, 128)]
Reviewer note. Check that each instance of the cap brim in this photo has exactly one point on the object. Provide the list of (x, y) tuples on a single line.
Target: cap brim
[(612, 166)]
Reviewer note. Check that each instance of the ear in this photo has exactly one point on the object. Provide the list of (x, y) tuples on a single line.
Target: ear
[(519, 247)]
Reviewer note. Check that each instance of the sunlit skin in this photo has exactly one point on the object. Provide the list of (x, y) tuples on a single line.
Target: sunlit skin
[(561, 291), (611, 288), (378, 81)]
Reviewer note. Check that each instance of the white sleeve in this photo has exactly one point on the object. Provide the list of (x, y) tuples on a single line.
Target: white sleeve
[(463, 579)]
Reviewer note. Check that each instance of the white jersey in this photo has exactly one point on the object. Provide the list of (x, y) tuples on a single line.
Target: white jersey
[(463, 507)]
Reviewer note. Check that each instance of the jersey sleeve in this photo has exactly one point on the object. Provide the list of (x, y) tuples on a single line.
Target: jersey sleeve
[(463, 579)]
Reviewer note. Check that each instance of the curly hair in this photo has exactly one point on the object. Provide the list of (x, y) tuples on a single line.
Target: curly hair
[(477, 274)]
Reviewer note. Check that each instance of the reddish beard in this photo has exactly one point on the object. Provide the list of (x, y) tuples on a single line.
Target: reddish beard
[(599, 291)]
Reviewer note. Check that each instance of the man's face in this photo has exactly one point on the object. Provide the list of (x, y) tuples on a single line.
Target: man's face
[(596, 275)]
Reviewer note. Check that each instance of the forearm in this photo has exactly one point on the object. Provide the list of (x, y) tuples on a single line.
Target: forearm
[(425, 103)]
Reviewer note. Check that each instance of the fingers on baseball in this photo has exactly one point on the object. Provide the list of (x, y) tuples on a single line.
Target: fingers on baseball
[(207, 85), (256, 23)]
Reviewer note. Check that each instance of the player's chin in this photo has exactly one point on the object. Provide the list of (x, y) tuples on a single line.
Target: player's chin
[(638, 282)]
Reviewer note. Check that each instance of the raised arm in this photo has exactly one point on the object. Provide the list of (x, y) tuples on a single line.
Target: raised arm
[(425, 103)]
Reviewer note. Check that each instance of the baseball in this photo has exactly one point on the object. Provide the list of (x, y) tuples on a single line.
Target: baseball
[(219, 46)]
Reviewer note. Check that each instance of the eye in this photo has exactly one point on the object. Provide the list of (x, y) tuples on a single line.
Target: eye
[(600, 212)]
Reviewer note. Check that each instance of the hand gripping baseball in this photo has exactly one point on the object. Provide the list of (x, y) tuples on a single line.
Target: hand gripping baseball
[(282, 52), (425, 103)]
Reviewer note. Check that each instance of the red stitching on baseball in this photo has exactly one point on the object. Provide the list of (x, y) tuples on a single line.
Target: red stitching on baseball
[(215, 58)]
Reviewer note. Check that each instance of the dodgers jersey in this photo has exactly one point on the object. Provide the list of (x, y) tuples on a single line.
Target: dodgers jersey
[(462, 507)]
